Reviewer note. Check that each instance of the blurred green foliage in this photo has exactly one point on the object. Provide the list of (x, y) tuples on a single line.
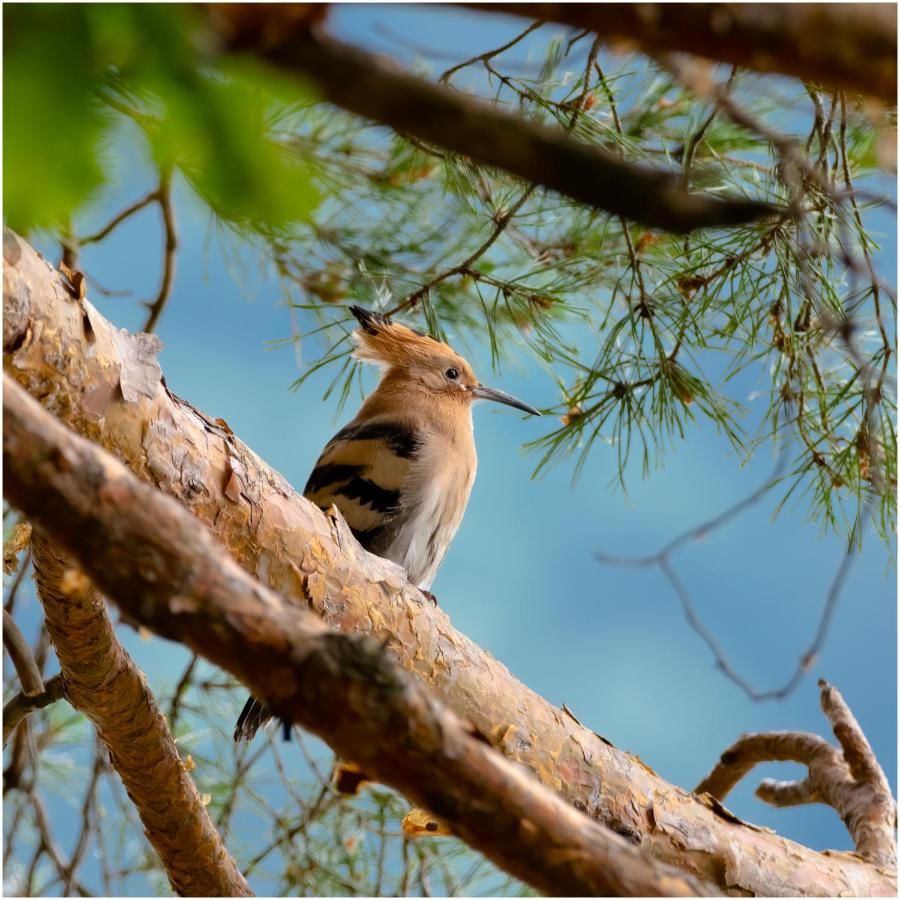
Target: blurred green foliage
[(72, 71)]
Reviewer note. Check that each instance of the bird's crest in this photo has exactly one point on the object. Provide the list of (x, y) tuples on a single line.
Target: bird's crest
[(385, 342)]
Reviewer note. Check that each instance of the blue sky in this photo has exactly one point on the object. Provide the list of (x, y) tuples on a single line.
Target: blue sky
[(520, 579)]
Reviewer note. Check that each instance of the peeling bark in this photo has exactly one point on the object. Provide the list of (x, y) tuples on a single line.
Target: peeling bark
[(101, 680), (70, 358), (147, 553)]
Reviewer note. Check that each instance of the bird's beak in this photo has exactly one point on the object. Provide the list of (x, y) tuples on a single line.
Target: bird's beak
[(486, 393)]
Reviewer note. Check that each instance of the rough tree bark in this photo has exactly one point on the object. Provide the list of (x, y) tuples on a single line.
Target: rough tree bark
[(106, 384), (101, 680), (147, 553), (848, 46)]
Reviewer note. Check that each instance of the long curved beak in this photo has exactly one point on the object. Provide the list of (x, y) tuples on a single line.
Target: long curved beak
[(486, 393)]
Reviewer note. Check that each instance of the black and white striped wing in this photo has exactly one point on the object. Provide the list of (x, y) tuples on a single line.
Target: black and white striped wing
[(362, 471)]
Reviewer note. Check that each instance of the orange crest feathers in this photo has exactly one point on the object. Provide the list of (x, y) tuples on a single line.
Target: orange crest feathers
[(387, 343)]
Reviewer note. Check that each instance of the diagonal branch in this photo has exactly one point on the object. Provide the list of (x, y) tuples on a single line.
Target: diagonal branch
[(111, 390), (146, 549), (102, 681), (851, 46), (366, 85)]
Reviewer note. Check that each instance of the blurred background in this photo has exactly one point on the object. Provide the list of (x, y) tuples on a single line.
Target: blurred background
[(521, 578)]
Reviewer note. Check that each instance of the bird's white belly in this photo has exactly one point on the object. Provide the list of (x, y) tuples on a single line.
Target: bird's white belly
[(423, 539)]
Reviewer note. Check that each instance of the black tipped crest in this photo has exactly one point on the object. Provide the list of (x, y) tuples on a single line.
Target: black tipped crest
[(368, 320), (371, 321)]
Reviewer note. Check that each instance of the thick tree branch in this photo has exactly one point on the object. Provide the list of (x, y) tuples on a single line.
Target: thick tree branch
[(102, 681), (107, 385), (852, 782), (146, 551), (371, 87), (850, 46)]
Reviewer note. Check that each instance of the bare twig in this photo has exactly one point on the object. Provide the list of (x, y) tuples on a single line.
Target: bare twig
[(414, 298), (490, 54), (663, 560), (23, 565), (183, 684), (20, 653), (170, 245), (695, 139), (161, 195), (127, 213), (84, 832)]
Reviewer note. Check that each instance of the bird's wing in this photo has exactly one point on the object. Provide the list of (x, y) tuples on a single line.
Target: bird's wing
[(362, 471)]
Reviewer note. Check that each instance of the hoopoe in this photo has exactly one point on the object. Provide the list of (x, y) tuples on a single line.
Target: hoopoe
[(401, 472)]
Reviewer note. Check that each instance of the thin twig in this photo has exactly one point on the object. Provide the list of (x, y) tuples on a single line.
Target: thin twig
[(183, 684), (412, 300), (485, 57), (22, 658), (700, 133), (10, 601), (127, 213), (84, 833), (164, 198), (662, 559), (21, 704)]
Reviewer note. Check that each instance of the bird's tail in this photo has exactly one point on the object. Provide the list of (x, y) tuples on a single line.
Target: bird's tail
[(253, 716)]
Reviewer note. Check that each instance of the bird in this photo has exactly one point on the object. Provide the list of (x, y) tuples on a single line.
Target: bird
[(401, 472)]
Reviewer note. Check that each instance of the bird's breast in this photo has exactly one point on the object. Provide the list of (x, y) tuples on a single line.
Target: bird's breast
[(434, 501)]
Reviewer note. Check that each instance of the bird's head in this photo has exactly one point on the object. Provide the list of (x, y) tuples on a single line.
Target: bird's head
[(410, 355)]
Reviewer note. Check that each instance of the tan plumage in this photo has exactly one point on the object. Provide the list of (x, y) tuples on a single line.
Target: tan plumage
[(402, 470)]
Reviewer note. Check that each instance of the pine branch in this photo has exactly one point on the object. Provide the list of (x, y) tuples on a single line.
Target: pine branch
[(367, 86), (316, 562)]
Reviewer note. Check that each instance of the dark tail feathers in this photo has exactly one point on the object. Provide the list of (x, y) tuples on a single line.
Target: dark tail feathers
[(253, 716)]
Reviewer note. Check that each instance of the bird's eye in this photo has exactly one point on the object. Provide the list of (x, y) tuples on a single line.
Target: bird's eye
[(452, 374)]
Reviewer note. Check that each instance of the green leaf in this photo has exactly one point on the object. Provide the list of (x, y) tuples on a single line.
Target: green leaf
[(52, 124)]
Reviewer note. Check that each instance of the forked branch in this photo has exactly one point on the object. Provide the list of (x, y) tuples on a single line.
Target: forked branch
[(849, 779)]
